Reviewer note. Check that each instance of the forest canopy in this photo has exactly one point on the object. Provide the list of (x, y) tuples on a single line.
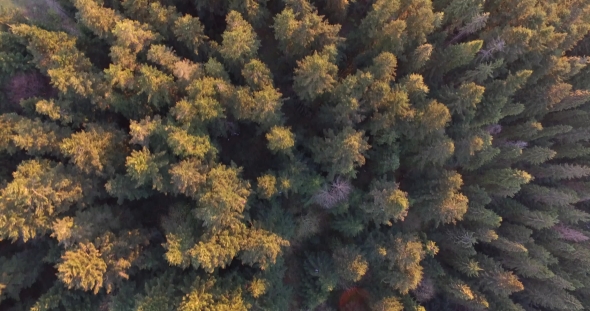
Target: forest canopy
[(350, 155)]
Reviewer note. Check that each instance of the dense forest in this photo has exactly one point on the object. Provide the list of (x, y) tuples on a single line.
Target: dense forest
[(344, 155)]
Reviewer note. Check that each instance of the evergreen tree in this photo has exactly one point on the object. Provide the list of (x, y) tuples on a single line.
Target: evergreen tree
[(314, 76), (240, 43), (190, 31), (295, 155), (340, 153), (299, 30)]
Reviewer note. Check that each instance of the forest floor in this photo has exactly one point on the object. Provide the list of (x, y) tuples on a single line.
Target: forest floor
[(8, 4), (44, 12)]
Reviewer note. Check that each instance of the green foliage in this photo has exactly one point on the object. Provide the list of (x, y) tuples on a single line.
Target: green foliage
[(258, 155), (16, 276), (223, 198), (156, 85), (464, 100), (133, 35), (559, 172), (379, 31), (184, 144), (386, 202), (203, 103), (143, 167), (157, 294), (122, 187), (389, 304), (240, 43), (537, 155), (94, 150), (82, 268), (340, 153), (505, 182), (179, 227), (262, 248), (299, 30), (267, 185), (39, 192), (350, 264), (280, 139), (257, 75), (57, 56), (34, 136), (348, 225), (456, 56), (254, 11), (402, 256), (320, 270), (190, 31), (216, 250), (99, 19), (314, 76), (262, 106)]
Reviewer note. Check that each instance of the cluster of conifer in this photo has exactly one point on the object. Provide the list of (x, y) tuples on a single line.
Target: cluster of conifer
[(229, 155)]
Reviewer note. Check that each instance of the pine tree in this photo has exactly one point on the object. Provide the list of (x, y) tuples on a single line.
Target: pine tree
[(505, 182), (314, 76), (255, 11), (185, 144), (34, 136), (16, 276), (203, 102), (83, 268), (403, 263), (162, 18), (387, 202), (39, 192), (380, 33), (559, 172), (350, 264), (144, 167), (262, 248), (299, 30), (190, 31), (48, 48), (133, 35), (280, 139), (94, 150), (261, 106), (179, 227), (223, 197), (99, 19), (537, 155), (156, 85), (463, 101), (240, 43), (455, 56), (259, 146), (340, 153)]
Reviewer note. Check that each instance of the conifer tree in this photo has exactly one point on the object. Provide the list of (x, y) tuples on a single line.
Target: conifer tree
[(314, 76), (299, 30), (387, 203), (280, 139), (99, 19), (340, 153), (190, 31), (39, 192), (295, 155), (240, 43)]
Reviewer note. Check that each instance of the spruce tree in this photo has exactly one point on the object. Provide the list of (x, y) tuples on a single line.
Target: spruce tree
[(295, 155)]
